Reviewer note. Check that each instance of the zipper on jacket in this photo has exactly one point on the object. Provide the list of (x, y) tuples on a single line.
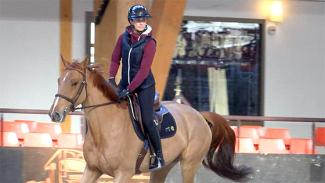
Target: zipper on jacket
[(129, 66)]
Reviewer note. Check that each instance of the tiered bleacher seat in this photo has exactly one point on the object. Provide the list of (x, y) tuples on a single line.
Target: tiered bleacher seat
[(245, 145), (19, 128), (260, 129), (278, 133), (248, 132), (235, 129), (301, 146), (9, 139), (37, 140), (32, 125), (320, 136), (51, 128), (272, 146), (66, 140)]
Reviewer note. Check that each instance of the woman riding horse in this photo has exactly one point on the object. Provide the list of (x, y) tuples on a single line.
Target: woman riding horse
[(137, 48), (111, 145)]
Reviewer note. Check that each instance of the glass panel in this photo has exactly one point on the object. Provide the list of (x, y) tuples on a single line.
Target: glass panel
[(92, 54), (92, 33), (218, 65)]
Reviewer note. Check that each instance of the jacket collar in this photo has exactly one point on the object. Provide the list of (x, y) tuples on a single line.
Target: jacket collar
[(132, 32)]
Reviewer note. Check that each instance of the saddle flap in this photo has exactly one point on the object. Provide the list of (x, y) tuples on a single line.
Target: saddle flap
[(165, 122), (162, 118)]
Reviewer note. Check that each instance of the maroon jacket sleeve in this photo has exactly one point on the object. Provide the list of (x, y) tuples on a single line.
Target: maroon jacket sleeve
[(147, 59), (116, 57)]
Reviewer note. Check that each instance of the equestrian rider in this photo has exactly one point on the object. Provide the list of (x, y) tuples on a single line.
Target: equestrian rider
[(137, 48)]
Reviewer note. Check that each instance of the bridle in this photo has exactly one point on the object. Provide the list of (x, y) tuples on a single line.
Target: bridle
[(73, 100)]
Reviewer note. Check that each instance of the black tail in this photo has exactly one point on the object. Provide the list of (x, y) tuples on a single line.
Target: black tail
[(220, 157)]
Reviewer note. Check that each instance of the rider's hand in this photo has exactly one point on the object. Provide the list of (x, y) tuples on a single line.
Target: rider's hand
[(111, 81), (124, 94)]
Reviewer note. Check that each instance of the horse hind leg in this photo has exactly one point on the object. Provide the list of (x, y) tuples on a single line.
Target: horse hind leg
[(190, 163), (159, 176), (192, 158), (90, 176), (189, 169)]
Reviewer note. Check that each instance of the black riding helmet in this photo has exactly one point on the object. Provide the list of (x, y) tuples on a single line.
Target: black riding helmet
[(138, 11)]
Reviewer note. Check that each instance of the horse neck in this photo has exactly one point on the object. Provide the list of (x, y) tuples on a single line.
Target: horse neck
[(106, 122)]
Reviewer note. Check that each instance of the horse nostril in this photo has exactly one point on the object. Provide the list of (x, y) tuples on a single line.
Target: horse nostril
[(56, 116)]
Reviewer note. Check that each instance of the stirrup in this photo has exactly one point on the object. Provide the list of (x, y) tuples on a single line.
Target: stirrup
[(157, 163)]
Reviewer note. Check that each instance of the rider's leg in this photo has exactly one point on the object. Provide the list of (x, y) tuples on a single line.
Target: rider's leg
[(146, 100)]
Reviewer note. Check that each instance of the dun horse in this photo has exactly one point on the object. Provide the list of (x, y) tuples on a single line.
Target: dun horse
[(112, 147)]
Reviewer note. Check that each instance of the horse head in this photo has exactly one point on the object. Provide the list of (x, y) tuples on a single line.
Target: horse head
[(71, 89)]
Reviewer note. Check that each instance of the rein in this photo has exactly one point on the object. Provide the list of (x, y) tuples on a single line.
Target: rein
[(96, 105), (76, 97)]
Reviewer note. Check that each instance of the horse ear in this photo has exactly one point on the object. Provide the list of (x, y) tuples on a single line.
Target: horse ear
[(64, 61), (85, 62)]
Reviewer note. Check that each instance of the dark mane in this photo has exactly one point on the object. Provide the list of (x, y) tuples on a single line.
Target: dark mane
[(74, 66), (100, 83)]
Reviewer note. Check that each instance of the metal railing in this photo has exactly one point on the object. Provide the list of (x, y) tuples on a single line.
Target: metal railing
[(237, 119), (32, 111), (24, 111)]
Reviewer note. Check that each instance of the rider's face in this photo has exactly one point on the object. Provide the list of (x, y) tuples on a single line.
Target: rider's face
[(139, 24)]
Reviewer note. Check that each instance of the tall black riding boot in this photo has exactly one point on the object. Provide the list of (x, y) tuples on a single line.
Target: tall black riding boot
[(146, 100), (159, 161)]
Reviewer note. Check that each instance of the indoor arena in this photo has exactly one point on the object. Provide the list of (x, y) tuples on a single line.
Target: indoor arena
[(162, 91)]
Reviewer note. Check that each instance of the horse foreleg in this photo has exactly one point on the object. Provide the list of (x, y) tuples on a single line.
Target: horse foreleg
[(90, 176), (122, 177), (159, 176)]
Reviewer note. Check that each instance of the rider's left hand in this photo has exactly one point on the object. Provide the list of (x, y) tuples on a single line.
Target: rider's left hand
[(124, 94), (111, 81)]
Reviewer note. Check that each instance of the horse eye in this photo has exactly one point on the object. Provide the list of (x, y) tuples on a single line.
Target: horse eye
[(74, 83)]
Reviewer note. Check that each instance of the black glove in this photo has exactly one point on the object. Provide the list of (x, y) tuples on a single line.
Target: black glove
[(124, 94), (112, 82)]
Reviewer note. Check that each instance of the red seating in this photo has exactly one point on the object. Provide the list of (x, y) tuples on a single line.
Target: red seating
[(235, 129), (51, 128), (37, 140), (31, 124), (278, 133), (248, 132), (260, 129), (68, 140), (245, 145), (301, 146), (250, 139), (10, 139), (272, 146), (320, 136), (19, 128)]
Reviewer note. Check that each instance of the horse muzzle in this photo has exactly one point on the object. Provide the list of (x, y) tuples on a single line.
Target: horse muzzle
[(58, 112), (57, 116)]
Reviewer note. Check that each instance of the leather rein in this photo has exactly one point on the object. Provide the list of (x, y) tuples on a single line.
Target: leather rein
[(73, 100)]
